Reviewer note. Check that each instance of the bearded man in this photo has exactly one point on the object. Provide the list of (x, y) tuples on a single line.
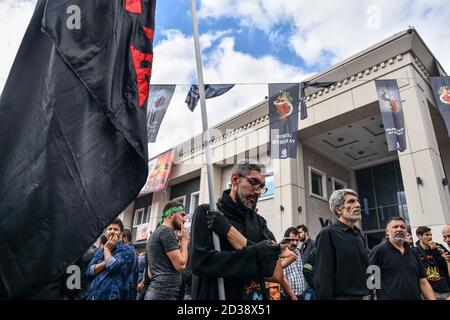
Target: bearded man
[(403, 276), (341, 254), (248, 255)]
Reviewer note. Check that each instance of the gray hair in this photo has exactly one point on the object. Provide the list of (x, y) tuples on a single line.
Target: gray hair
[(244, 166), (337, 198)]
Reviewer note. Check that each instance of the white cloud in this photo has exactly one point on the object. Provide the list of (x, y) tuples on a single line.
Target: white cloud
[(14, 18), (223, 64), (328, 31)]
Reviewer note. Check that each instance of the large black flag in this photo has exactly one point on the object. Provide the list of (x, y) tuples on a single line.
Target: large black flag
[(283, 116), (73, 134)]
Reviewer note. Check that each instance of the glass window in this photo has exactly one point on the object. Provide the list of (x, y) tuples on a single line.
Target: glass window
[(365, 188), (384, 213), (338, 185), (317, 183), (385, 182), (138, 214), (382, 196), (269, 185), (369, 219)]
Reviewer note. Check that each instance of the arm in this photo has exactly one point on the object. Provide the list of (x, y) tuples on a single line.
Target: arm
[(426, 290), (288, 257), (288, 290), (179, 257), (245, 262), (324, 266)]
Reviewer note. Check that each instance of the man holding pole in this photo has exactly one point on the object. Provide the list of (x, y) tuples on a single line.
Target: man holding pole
[(248, 254)]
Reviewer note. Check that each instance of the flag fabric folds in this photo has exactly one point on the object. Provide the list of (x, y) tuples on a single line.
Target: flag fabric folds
[(303, 86), (441, 90), (392, 114), (211, 91), (73, 134), (158, 102), (283, 115)]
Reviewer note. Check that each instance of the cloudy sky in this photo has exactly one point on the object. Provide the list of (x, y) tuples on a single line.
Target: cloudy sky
[(252, 43)]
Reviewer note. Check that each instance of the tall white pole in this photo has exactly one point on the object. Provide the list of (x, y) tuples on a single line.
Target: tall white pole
[(209, 168)]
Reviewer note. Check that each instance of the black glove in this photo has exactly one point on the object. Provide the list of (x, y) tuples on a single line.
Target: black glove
[(267, 253), (218, 223)]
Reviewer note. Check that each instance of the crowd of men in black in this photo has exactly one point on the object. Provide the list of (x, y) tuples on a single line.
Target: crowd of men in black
[(181, 265)]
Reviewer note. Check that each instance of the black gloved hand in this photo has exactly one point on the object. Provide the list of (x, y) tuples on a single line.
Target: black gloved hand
[(266, 250), (218, 223), (267, 253)]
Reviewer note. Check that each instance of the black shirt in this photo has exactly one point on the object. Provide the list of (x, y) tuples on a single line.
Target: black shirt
[(400, 273), (435, 268), (341, 262), (306, 249)]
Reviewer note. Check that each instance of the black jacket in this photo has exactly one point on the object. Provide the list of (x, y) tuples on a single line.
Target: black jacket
[(240, 269)]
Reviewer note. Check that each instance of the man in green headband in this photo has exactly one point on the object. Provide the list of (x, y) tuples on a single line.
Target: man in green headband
[(166, 257)]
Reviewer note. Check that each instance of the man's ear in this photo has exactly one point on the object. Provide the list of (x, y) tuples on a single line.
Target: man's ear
[(234, 178)]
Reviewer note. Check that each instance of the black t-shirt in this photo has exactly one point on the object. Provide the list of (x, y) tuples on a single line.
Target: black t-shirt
[(435, 268), (400, 273), (166, 280)]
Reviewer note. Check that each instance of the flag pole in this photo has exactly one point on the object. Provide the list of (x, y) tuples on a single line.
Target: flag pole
[(209, 168)]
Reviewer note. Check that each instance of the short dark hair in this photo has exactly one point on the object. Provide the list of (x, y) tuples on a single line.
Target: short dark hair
[(421, 230), (244, 166), (394, 219), (118, 222), (303, 227), (172, 204), (127, 233), (289, 231)]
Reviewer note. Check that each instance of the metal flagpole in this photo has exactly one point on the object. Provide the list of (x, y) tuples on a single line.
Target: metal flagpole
[(209, 168)]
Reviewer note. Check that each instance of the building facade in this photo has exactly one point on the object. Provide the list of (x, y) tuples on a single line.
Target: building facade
[(342, 144)]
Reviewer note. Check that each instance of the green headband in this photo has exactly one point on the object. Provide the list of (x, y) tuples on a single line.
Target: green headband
[(169, 211)]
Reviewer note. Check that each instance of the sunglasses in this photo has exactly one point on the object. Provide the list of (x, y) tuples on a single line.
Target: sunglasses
[(256, 184)]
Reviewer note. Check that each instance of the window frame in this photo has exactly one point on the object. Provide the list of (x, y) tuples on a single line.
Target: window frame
[(333, 180), (324, 183), (193, 194)]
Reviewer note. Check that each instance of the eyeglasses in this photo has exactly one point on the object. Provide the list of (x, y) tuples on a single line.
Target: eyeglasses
[(256, 184)]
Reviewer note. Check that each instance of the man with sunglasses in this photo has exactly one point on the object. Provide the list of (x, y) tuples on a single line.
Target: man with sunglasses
[(248, 253)]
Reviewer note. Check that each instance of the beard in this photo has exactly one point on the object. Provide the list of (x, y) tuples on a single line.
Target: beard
[(398, 239), (248, 202)]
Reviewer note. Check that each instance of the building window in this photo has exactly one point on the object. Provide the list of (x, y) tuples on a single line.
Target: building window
[(182, 200), (269, 185), (338, 184), (195, 197), (317, 184)]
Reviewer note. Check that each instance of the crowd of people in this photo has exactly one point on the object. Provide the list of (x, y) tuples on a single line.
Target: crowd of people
[(178, 265)]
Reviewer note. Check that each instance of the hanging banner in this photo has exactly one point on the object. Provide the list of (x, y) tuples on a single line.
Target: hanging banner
[(283, 114), (158, 102), (391, 114), (159, 171), (441, 91), (142, 231), (211, 91), (303, 86)]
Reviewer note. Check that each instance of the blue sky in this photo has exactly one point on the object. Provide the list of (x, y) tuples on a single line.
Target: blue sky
[(253, 42)]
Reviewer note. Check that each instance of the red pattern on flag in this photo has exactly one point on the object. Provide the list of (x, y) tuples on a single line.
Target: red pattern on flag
[(142, 73), (133, 6), (149, 33)]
